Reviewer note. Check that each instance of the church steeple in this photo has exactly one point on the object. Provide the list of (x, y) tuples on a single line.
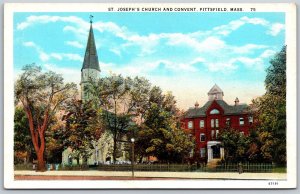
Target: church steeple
[(90, 68), (91, 57)]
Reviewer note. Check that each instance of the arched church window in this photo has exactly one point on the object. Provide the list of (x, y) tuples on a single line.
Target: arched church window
[(214, 112)]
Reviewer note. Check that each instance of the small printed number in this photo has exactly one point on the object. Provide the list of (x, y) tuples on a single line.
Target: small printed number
[(252, 9), (273, 183)]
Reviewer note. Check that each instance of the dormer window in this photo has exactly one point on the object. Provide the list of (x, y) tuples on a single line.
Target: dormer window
[(214, 112)]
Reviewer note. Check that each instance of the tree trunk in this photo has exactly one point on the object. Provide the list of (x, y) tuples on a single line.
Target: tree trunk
[(35, 137), (115, 148), (115, 134), (41, 163)]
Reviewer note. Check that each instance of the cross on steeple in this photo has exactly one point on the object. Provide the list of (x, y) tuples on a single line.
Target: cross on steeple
[(91, 18)]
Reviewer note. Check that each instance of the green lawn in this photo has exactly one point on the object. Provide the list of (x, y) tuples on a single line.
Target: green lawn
[(279, 170)]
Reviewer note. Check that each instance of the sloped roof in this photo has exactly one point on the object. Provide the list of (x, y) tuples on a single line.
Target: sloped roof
[(215, 89), (228, 109), (91, 57)]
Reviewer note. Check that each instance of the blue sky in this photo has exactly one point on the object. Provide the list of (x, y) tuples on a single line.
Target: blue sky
[(186, 53)]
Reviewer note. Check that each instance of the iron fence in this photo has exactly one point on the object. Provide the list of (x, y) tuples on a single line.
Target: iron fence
[(150, 167), (245, 167), (226, 167)]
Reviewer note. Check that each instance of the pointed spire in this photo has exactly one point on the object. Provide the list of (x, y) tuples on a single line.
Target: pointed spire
[(91, 57)]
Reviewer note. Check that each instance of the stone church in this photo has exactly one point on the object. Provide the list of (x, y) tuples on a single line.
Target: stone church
[(103, 148)]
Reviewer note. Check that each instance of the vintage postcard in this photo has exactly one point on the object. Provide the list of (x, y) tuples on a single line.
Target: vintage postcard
[(149, 96)]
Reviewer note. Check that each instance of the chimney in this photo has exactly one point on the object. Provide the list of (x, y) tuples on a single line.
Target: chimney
[(196, 105), (236, 101)]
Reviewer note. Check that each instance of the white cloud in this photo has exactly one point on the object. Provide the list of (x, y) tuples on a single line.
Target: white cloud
[(78, 31), (32, 20), (58, 56), (225, 67), (228, 28), (255, 21), (141, 67), (68, 56), (257, 63), (29, 44), (209, 44), (236, 24), (248, 48), (180, 67), (118, 31), (267, 53), (44, 56), (75, 44), (250, 62), (69, 74), (275, 29), (73, 57), (116, 51)]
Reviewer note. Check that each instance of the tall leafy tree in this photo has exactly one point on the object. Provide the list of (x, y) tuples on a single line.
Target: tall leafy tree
[(22, 140), (271, 111), (160, 134), (235, 144), (81, 130), (42, 95), (122, 101), (54, 140)]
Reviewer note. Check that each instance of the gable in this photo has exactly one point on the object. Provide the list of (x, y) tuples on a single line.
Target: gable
[(215, 106)]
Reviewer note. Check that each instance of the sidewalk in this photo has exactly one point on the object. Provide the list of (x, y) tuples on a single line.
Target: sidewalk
[(179, 175)]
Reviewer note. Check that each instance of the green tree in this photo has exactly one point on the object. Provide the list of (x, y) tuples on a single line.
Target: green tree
[(254, 153), (22, 140), (81, 129), (235, 145), (122, 101), (271, 111), (54, 141), (42, 95), (160, 134)]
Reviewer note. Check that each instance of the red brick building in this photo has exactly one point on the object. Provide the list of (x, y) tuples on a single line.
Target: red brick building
[(206, 122)]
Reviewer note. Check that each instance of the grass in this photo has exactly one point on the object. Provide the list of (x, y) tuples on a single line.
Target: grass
[(279, 170)]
